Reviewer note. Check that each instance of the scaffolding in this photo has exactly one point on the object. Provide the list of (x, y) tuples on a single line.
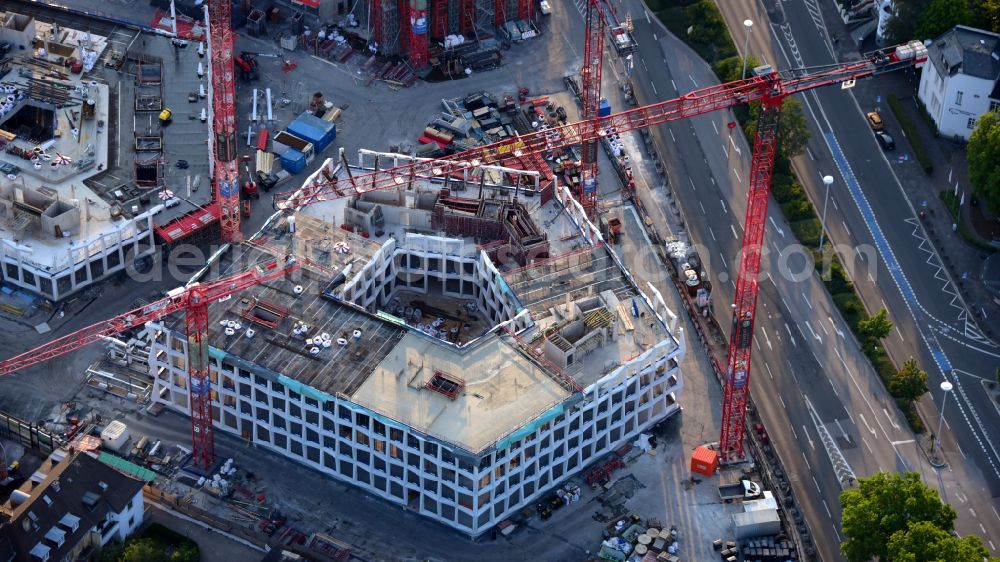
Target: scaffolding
[(385, 25), (440, 16)]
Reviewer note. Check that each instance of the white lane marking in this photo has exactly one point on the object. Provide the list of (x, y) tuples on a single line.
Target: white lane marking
[(702, 208), (738, 178), (712, 232), (671, 131), (672, 81), (733, 228), (768, 367), (655, 93), (692, 80), (776, 227), (714, 126), (805, 298)]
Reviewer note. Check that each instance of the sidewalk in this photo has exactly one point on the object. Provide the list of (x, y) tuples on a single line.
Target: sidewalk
[(963, 261)]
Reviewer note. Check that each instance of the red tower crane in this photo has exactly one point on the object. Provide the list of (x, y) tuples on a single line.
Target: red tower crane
[(414, 27), (467, 16), (222, 130), (194, 301), (600, 15), (439, 19), (766, 86), (524, 9)]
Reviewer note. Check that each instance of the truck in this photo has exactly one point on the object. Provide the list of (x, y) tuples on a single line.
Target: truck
[(745, 489)]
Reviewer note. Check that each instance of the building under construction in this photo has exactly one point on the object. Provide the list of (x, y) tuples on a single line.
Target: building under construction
[(408, 357), (77, 203), (407, 26)]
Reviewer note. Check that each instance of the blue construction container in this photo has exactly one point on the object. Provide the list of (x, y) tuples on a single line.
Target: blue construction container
[(293, 161), (313, 129), (604, 109)]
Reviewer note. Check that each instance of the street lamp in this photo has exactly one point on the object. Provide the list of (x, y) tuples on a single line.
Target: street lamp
[(945, 388), (827, 181), (746, 45)]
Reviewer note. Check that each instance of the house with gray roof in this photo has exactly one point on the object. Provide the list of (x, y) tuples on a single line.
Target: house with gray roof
[(69, 508), (961, 83)]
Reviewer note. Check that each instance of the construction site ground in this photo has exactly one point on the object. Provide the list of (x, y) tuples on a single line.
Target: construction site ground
[(377, 117)]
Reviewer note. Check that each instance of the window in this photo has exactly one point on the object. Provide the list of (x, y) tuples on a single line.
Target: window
[(971, 123), (994, 104), (958, 98)]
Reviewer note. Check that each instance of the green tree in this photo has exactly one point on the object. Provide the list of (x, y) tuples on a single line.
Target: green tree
[(111, 552), (984, 160), (987, 13), (873, 329), (884, 504), (902, 26), (909, 382), (143, 550), (940, 16), (925, 542), (731, 68), (793, 131), (187, 552), (709, 34)]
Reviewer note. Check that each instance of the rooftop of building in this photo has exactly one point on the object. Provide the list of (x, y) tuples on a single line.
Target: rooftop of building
[(970, 51), (587, 318), (61, 502), (90, 136)]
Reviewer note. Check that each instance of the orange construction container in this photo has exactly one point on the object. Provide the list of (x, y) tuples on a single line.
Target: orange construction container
[(704, 461)]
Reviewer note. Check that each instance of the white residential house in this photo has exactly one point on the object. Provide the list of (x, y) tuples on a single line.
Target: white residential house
[(961, 82), (70, 507)]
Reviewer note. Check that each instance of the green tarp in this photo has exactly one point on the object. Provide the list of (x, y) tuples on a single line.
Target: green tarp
[(127, 467)]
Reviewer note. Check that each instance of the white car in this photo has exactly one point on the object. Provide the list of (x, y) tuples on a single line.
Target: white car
[(545, 7)]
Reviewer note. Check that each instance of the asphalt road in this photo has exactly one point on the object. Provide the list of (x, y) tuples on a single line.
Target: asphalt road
[(802, 343), (907, 277)]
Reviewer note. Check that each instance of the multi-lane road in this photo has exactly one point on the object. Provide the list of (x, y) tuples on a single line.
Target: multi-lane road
[(809, 371)]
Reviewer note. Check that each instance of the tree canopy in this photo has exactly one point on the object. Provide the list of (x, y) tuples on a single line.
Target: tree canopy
[(940, 16), (871, 330), (884, 504), (925, 542), (984, 160), (793, 134), (143, 550), (909, 382), (731, 68)]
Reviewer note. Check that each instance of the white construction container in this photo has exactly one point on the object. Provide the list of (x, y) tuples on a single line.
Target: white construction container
[(759, 523), (114, 436)]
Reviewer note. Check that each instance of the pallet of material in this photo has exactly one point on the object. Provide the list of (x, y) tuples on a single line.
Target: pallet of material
[(442, 136), (332, 114), (264, 162)]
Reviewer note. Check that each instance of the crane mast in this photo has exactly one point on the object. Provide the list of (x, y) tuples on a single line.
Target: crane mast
[(737, 388), (593, 58), (222, 139)]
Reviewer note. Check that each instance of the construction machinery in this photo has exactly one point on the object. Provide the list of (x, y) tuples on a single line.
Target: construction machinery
[(193, 300), (765, 85)]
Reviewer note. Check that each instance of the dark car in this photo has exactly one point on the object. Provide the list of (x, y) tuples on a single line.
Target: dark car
[(885, 140)]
